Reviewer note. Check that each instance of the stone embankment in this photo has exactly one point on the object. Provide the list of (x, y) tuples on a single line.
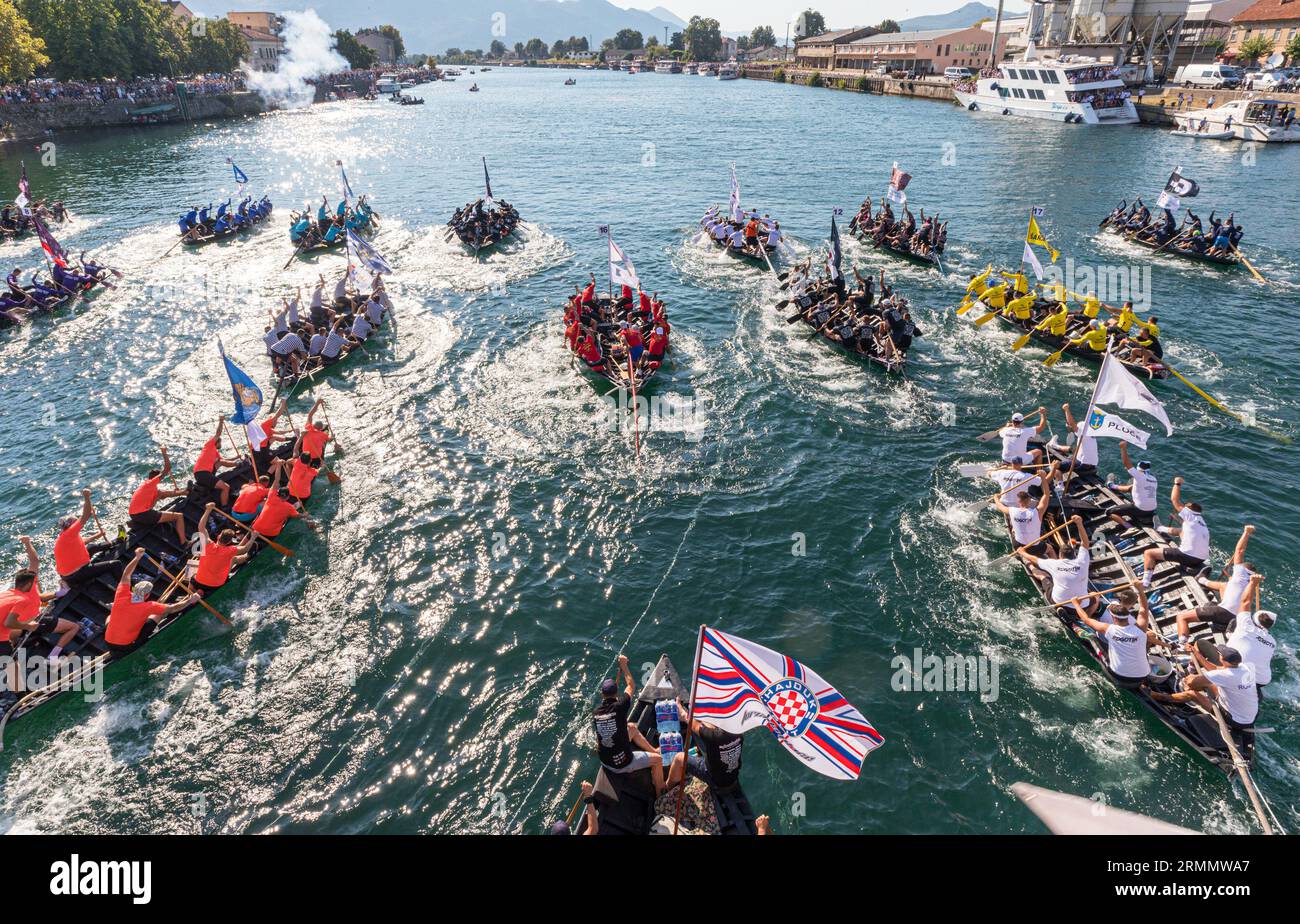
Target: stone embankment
[(25, 121)]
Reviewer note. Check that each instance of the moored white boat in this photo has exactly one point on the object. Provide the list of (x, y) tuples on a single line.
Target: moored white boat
[(1247, 119), (1069, 89), (729, 71)]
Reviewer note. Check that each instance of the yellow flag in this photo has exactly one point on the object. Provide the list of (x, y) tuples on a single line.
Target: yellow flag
[(1036, 238)]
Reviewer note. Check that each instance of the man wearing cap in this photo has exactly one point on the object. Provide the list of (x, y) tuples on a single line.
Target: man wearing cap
[(1126, 638), (615, 734), (1066, 576), (1142, 489), (133, 617), (1234, 594), (1225, 680), (1025, 516), (72, 555), (1016, 437), (1193, 539)]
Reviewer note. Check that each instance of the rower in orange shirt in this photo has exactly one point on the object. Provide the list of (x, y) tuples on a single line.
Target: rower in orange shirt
[(20, 616), (251, 497), (278, 510), (301, 475), (209, 461), (655, 347), (262, 451), (589, 351), (314, 435), (141, 512), (72, 555), (218, 556), (134, 617), (751, 234)]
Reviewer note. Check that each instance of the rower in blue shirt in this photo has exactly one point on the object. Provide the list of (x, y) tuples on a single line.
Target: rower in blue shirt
[(187, 220), (299, 230)]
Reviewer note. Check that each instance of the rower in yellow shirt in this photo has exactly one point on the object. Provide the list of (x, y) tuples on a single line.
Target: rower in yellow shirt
[(1055, 292), (1091, 307), (1057, 322), (1020, 282), (1020, 308), (1095, 338), (1125, 321), (996, 296), (975, 288)]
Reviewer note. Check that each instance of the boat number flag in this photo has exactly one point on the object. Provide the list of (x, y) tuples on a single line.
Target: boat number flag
[(24, 192), (1035, 237), (1112, 425), (1116, 385), (361, 251), (735, 196), (621, 270), (248, 397), (487, 180), (740, 685), (833, 259), (48, 243), (1181, 186), (898, 181)]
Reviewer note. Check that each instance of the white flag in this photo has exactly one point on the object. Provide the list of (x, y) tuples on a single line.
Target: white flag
[(1169, 201), (255, 433), (621, 270), (1032, 259), (1116, 385), (736, 214), (1116, 427)]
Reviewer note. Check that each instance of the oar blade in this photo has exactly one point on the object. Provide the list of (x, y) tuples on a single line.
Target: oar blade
[(1020, 342)]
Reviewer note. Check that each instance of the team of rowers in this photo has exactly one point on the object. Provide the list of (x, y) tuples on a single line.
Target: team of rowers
[(1046, 310), (905, 236), (479, 226), (225, 536), (198, 223), (18, 302), (621, 339), (746, 233), (877, 325), (1233, 674), (329, 228), (299, 345), (16, 221), (1220, 241)]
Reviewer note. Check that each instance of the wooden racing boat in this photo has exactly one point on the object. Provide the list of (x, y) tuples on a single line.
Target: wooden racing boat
[(1189, 253), (48, 307), (1082, 351), (618, 372), (201, 235), (885, 245), (882, 353), (626, 802)]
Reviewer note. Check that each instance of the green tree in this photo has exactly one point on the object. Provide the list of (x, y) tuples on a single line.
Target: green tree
[(497, 48), (399, 46), (742, 43), (559, 49), (889, 26), (21, 52), (218, 50), (535, 49), (1292, 51), (677, 42), (703, 38), (762, 37), (156, 40), (813, 22), (628, 39), (358, 56), (519, 49), (1256, 47)]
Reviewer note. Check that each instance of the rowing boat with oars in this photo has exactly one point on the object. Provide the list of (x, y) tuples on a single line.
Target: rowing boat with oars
[(1175, 246), (888, 246), (480, 228), (317, 236), (866, 333), (15, 311), (759, 255), (317, 367), (615, 364), (626, 803), (200, 235), (89, 605), (1115, 553), (1078, 325)]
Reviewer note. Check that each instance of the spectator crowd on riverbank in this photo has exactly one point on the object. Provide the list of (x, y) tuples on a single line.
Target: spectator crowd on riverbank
[(49, 91)]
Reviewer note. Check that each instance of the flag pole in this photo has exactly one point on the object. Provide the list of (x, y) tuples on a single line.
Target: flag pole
[(1083, 424), (690, 723)]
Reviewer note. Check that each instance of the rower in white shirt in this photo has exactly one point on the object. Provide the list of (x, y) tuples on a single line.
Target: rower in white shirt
[(1193, 539), (1223, 678), (1143, 489), (1016, 436), (1233, 596), (1252, 637), (1013, 481), (1068, 575), (1127, 638), (1026, 518), (737, 239), (774, 236)]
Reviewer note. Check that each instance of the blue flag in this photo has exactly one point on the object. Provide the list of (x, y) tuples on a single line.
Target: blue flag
[(366, 255), (240, 176), (347, 187), (248, 397)]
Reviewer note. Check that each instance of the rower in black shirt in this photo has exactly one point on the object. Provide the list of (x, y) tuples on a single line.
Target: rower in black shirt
[(615, 735), (719, 768)]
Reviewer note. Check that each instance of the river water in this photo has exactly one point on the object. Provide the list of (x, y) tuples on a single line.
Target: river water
[(426, 662)]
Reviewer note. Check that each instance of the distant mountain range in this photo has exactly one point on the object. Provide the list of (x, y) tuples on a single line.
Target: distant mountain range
[(968, 15), (433, 26)]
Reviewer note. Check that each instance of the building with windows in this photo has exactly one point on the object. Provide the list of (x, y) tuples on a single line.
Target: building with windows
[(382, 45), (1276, 20), (819, 50), (1207, 30), (262, 33), (926, 52)]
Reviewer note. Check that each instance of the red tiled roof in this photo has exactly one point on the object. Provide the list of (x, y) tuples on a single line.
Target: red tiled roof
[(258, 35), (1269, 11)]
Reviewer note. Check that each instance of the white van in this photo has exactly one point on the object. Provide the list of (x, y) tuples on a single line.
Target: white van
[(958, 73), (1215, 76)]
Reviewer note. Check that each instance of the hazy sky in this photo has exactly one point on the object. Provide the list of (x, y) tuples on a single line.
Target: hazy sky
[(735, 15)]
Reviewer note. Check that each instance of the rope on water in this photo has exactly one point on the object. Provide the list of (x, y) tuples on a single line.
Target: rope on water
[(578, 723)]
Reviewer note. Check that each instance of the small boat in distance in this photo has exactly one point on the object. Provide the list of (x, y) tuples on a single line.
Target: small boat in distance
[(729, 71), (1247, 119), (388, 83)]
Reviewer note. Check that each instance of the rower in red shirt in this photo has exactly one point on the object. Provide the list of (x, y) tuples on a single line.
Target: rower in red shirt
[(572, 333), (632, 337), (21, 619), (314, 435), (72, 555), (655, 348), (141, 512), (589, 350), (251, 497), (134, 617), (589, 293), (301, 475), (218, 556), (210, 461), (278, 510), (262, 450)]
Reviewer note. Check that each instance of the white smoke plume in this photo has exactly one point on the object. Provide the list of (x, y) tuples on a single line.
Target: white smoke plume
[(308, 52)]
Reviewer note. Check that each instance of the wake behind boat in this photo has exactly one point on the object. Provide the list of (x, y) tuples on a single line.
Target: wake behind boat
[(902, 238), (484, 223), (63, 286)]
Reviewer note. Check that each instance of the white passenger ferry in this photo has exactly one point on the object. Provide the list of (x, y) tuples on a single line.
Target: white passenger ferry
[(1247, 119), (729, 71), (1067, 89), (388, 83)]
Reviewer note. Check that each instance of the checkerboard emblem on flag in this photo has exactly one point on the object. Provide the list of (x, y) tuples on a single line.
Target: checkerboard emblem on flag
[(740, 685)]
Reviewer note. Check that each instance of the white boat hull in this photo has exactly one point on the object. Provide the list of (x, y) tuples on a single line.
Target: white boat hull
[(1246, 131), (1046, 109)]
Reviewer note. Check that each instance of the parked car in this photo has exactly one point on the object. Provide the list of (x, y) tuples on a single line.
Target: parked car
[(1212, 76), (958, 73)]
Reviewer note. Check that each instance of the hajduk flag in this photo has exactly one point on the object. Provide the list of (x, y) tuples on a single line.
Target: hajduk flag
[(248, 397), (487, 180), (621, 270), (1181, 186), (347, 187), (1116, 385), (361, 251), (24, 192), (1035, 236), (48, 243), (835, 256), (736, 214), (740, 685), (898, 181), (1112, 425)]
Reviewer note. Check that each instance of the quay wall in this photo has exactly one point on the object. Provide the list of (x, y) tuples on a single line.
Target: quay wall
[(853, 81), (21, 121)]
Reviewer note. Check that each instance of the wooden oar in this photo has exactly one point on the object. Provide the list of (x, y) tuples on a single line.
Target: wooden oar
[(301, 244), (183, 238), (287, 553), (1053, 607), (1280, 437), (1242, 257), (981, 321), (203, 603), (982, 469), (1043, 538), (993, 434), (975, 506)]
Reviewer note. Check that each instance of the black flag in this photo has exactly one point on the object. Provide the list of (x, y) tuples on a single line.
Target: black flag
[(833, 261), (1181, 186), (487, 180)]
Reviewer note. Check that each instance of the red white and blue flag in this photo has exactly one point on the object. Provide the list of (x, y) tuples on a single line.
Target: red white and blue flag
[(740, 685), (49, 244)]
